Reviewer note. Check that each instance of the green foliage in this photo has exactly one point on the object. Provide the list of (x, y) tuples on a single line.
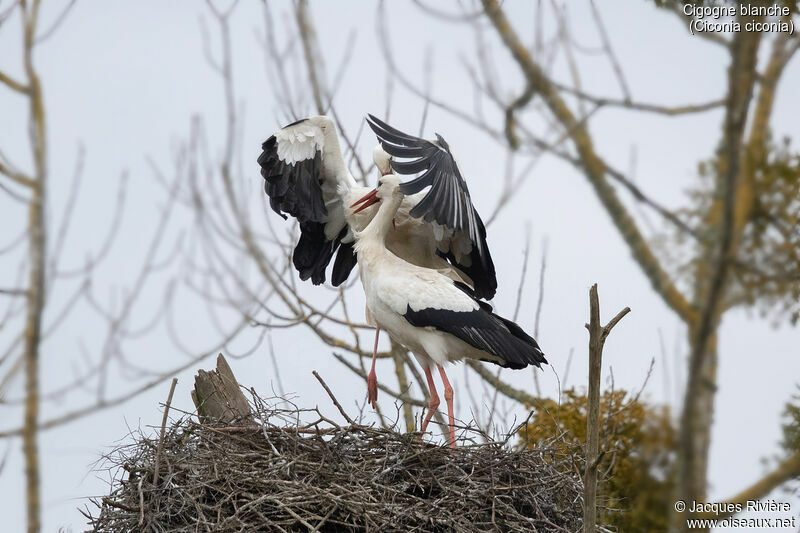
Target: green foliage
[(636, 447), (769, 256), (766, 270), (791, 427)]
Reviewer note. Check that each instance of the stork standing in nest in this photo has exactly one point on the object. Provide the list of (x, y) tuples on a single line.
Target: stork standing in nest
[(437, 318)]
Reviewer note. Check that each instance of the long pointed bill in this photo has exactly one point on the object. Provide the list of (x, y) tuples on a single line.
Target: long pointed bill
[(367, 200)]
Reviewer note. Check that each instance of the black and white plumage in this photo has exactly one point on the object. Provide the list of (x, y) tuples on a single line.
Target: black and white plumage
[(439, 320), (303, 170), (306, 177), (447, 205), (482, 329)]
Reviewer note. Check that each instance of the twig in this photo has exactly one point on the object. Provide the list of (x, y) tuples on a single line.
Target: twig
[(540, 301), (659, 109), (163, 430), (309, 40), (57, 22), (13, 84), (118, 505), (601, 29), (539, 304), (141, 500), (524, 271), (400, 358), (16, 176), (504, 388), (335, 401)]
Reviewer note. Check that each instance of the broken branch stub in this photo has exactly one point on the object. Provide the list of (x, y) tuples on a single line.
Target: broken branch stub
[(217, 396)]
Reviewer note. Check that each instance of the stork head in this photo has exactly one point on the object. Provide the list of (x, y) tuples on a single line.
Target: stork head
[(388, 188), (382, 160)]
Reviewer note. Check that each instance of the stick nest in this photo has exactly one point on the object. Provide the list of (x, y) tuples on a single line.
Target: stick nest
[(273, 473)]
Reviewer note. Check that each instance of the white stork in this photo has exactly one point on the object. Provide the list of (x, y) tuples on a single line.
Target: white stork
[(438, 319), (438, 227)]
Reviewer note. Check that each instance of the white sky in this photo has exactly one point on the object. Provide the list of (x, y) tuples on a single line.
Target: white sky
[(124, 80)]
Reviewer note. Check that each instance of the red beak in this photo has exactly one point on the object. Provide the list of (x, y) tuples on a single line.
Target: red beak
[(367, 200)]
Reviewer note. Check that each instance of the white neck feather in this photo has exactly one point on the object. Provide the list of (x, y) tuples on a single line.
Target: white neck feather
[(374, 235)]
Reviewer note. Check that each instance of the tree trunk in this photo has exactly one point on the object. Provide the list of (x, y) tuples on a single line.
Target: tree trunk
[(699, 435), (694, 438), (712, 274)]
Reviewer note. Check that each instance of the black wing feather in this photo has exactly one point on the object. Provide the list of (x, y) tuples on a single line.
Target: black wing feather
[(296, 190), (314, 252), (484, 330), (480, 268), (416, 185), (409, 167), (393, 134), (448, 202), (346, 260), (407, 151)]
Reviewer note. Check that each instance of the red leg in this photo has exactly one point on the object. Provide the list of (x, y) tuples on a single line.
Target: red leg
[(448, 397), (372, 379), (433, 404)]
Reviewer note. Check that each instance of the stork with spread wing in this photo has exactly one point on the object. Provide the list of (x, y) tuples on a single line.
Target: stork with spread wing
[(436, 226)]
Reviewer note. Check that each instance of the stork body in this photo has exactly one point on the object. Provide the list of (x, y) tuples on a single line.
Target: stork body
[(436, 318), (435, 225)]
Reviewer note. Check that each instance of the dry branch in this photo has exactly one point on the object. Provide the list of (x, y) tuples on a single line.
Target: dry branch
[(786, 470), (163, 429), (37, 254), (313, 61), (593, 166), (597, 338), (13, 84), (335, 401)]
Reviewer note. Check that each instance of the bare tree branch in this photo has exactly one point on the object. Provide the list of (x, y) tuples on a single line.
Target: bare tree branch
[(601, 29), (57, 22), (785, 471), (714, 37), (13, 84), (591, 163), (17, 177), (37, 250), (504, 388), (686, 109), (313, 61)]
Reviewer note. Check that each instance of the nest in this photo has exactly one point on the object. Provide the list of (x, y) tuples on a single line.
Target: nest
[(273, 473)]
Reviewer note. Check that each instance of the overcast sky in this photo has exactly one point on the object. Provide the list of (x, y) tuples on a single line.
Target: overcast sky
[(124, 79)]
